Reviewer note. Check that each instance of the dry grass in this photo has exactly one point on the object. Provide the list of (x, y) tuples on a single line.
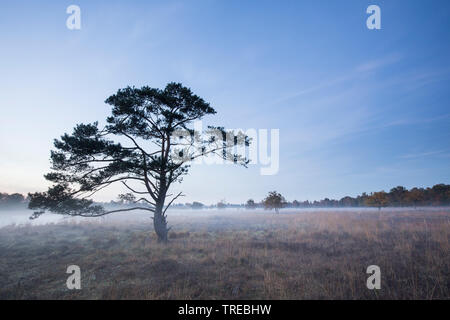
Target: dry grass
[(307, 255)]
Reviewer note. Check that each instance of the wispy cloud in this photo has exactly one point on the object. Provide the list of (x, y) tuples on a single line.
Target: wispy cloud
[(422, 154), (378, 63), (314, 88), (408, 122), (359, 70), (413, 80)]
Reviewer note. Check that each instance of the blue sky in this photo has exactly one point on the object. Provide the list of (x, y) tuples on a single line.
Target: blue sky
[(358, 110)]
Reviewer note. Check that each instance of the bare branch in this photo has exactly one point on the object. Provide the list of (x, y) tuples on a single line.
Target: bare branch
[(109, 212), (171, 201), (137, 192)]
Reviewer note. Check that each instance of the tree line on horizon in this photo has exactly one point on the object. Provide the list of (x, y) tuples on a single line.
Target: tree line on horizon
[(438, 195), (11, 201)]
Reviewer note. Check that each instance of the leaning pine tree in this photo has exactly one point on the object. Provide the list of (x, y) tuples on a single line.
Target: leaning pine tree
[(158, 143)]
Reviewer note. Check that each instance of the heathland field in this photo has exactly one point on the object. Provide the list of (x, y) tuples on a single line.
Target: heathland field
[(321, 254)]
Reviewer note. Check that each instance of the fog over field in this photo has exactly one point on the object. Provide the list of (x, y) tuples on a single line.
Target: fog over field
[(216, 217), (230, 254)]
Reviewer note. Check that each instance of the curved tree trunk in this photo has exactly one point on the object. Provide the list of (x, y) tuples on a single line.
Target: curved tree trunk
[(160, 224)]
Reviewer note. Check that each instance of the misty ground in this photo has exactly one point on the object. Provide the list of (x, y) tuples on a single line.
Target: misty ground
[(230, 254)]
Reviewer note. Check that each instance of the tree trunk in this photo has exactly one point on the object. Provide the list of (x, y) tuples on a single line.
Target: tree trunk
[(160, 224)]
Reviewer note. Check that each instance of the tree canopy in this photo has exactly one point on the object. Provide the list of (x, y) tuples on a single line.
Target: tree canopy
[(274, 200), (250, 204), (378, 200)]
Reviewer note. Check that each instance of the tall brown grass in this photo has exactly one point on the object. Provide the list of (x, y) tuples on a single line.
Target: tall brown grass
[(244, 255)]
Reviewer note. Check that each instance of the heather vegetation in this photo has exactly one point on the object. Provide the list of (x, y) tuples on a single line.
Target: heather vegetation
[(309, 254)]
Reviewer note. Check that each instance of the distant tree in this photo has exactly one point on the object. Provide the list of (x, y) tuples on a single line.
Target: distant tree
[(361, 200), (415, 196), (9, 201), (296, 204), (347, 202), (127, 198), (439, 194), (397, 196), (250, 204), (274, 200), (306, 204), (197, 205), (378, 199), (159, 145), (221, 204), (328, 203)]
